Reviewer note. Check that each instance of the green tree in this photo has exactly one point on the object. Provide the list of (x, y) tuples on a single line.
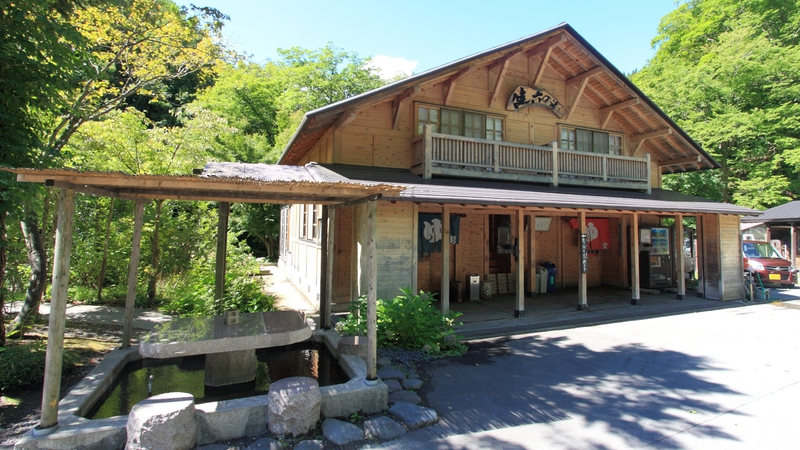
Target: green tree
[(727, 71)]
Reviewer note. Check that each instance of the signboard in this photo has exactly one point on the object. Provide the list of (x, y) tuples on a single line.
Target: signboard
[(584, 253), (543, 223), (526, 96)]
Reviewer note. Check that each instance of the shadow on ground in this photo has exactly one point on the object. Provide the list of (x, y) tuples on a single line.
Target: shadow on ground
[(641, 395)]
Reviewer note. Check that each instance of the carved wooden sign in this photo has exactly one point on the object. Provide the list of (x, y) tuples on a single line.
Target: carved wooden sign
[(526, 96)]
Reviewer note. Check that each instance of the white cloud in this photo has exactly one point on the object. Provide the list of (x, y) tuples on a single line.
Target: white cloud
[(388, 67)]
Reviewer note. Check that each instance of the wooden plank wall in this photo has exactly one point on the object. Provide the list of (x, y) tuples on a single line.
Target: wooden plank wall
[(731, 265), (344, 235), (613, 268), (711, 257)]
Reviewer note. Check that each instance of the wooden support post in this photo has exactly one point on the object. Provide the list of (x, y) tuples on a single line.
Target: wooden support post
[(793, 251), (428, 151), (415, 248), (649, 174), (555, 164), (635, 299), (583, 303), (133, 272), (533, 257), (679, 256), (222, 253), (58, 311), (445, 294), (327, 257), (102, 276), (372, 291), (519, 311), (355, 278)]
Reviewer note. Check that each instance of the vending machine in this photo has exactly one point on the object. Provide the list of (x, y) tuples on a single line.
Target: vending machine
[(655, 260)]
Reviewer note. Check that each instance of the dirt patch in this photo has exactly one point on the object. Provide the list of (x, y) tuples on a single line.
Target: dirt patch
[(20, 409)]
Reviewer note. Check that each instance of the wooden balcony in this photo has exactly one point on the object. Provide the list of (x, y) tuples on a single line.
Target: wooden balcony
[(444, 154)]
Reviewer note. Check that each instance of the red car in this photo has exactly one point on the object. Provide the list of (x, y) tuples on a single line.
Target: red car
[(761, 258)]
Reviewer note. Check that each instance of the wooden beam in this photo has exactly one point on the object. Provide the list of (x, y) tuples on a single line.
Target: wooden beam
[(604, 119), (620, 105), (677, 162), (345, 119), (651, 134), (400, 102), (372, 291), (585, 75), (133, 274), (450, 84), (415, 248), (51, 388), (498, 84), (358, 201), (222, 253), (325, 259), (574, 105), (546, 45), (444, 296)]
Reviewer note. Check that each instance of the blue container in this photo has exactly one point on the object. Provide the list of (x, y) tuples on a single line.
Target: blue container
[(551, 276)]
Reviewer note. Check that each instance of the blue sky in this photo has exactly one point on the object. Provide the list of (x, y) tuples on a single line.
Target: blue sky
[(418, 35)]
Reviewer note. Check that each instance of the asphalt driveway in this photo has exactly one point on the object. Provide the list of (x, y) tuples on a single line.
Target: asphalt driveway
[(726, 379)]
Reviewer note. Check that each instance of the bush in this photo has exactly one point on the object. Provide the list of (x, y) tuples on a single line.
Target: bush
[(22, 365), (192, 293), (408, 321)]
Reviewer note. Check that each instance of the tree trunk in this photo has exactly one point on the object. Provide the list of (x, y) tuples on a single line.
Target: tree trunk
[(3, 240), (38, 261), (155, 253)]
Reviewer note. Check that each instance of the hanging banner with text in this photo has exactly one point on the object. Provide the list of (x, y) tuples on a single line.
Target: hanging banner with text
[(430, 232), (526, 97)]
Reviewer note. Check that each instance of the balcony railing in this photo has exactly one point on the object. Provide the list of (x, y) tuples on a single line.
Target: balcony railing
[(444, 154)]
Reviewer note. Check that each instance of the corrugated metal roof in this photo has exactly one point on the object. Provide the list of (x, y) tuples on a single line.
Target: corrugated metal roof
[(502, 193), (788, 212)]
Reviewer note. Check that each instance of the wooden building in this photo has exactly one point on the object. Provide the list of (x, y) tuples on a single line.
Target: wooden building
[(779, 226), (538, 151)]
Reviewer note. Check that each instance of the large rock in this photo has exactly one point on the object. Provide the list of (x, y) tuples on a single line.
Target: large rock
[(404, 396), (294, 405), (163, 421), (383, 428)]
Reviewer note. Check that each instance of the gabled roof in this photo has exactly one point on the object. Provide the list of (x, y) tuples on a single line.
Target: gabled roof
[(788, 212), (491, 193), (572, 58)]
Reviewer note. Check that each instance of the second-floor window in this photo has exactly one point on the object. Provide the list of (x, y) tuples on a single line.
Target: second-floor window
[(460, 122), (584, 140)]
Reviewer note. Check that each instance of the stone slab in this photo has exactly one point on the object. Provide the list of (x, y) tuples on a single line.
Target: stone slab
[(383, 428), (163, 421), (203, 335), (354, 345), (225, 369), (231, 419), (389, 373), (404, 396), (393, 385), (341, 433), (413, 416), (316, 444), (414, 383)]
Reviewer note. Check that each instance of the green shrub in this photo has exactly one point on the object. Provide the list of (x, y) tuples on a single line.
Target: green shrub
[(22, 365), (192, 293), (408, 321)]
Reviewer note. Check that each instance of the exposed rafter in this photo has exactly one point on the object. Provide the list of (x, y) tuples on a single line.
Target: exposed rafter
[(585, 75), (399, 103), (345, 119), (574, 104), (450, 84), (680, 161), (501, 76), (545, 48), (620, 105), (651, 134)]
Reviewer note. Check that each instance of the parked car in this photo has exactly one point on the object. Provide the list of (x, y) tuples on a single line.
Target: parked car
[(761, 258)]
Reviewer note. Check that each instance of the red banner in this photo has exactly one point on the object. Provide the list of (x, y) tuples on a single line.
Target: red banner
[(597, 231)]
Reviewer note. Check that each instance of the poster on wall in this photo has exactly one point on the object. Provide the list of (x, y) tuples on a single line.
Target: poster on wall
[(431, 231)]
